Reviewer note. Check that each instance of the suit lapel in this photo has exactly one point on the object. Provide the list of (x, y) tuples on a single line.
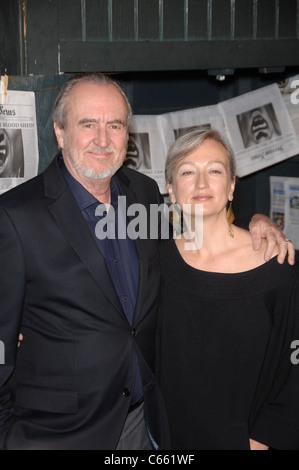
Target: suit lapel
[(67, 215)]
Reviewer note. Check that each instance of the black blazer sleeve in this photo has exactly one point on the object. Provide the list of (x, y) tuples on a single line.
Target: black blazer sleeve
[(12, 289)]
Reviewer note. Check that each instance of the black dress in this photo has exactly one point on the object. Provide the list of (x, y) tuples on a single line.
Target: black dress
[(227, 363)]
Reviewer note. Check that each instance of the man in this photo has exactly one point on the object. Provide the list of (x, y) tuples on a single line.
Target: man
[(82, 378)]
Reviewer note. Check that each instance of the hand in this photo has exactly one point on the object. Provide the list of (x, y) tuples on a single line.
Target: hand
[(254, 445), (20, 339), (263, 227)]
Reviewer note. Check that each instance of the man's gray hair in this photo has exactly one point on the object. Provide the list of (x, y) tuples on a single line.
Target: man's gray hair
[(188, 142), (61, 103)]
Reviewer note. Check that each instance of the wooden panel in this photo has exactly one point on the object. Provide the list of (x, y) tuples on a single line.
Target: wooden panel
[(266, 18), (123, 20), (131, 35), (42, 37), (148, 19), (287, 18), (197, 19), (97, 20), (244, 19), (173, 19), (11, 56), (193, 55), (69, 20), (221, 19)]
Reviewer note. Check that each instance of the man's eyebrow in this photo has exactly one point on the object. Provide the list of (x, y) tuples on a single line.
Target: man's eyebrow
[(117, 121), (86, 120), (113, 121)]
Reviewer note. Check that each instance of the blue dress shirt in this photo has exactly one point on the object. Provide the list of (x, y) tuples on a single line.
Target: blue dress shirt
[(120, 253)]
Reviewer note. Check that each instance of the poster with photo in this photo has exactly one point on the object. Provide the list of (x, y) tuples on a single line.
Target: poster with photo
[(260, 129), (18, 139)]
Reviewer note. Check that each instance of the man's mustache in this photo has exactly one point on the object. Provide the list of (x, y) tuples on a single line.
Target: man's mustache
[(96, 149)]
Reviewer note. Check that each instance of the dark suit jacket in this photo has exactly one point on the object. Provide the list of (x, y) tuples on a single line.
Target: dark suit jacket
[(68, 385)]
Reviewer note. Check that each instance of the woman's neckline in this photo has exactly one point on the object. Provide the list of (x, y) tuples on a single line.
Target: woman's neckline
[(220, 273)]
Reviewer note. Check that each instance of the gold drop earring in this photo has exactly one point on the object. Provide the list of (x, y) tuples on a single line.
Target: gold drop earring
[(230, 219)]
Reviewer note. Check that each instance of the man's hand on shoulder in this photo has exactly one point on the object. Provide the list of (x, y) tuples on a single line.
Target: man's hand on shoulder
[(261, 227)]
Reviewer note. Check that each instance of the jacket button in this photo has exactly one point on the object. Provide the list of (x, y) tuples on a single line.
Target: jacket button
[(126, 392), (134, 332)]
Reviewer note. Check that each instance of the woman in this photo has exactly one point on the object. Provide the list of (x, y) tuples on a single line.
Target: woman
[(227, 318)]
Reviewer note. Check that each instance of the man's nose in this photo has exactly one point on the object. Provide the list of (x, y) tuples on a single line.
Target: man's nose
[(102, 137)]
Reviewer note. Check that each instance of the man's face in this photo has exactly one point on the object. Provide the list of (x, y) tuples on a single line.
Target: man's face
[(94, 140)]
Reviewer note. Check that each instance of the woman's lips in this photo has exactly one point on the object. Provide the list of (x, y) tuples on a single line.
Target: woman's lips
[(202, 197)]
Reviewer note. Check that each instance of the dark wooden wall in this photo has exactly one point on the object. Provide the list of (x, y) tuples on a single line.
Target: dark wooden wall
[(58, 36)]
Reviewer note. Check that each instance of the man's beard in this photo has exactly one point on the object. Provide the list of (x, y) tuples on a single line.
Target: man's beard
[(99, 175), (92, 173)]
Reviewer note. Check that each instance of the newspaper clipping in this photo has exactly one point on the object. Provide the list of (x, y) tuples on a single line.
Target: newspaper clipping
[(284, 209), (290, 94), (146, 147), (260, 129), (18, 139)]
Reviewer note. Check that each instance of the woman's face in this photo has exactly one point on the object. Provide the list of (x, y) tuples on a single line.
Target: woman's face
[(203, 177)]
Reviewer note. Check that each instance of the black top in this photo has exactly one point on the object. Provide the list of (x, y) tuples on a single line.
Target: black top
[(224, 354)]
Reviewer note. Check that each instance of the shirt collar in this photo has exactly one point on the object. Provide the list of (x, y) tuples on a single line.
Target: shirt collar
[(83, 197)]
